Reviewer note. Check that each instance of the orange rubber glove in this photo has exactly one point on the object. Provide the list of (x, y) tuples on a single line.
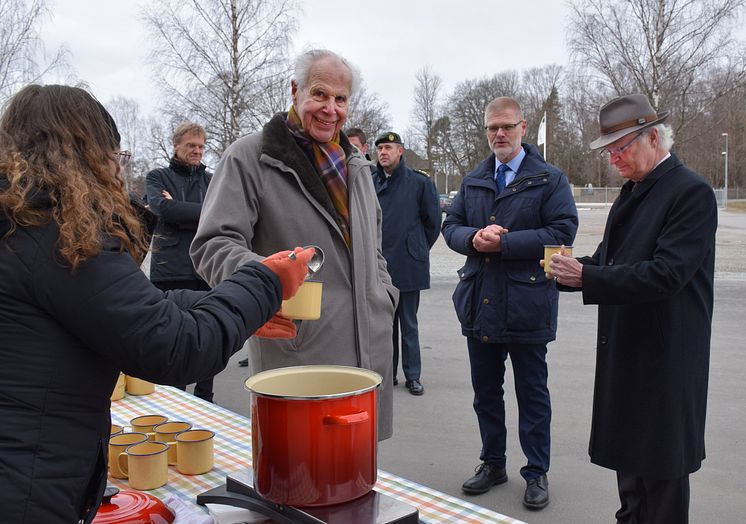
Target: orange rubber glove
[(290, 272), (277, 327)]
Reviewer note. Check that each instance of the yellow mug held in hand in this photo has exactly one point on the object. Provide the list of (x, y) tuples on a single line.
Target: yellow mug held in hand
[(306, 304), (548, 252)]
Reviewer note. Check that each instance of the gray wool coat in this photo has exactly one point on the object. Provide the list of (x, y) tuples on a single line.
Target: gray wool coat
[(266, 197)]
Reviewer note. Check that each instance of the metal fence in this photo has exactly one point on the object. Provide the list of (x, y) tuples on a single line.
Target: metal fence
[(595, 196), (605, 196)]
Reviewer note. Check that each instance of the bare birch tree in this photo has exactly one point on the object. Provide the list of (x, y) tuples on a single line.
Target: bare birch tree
[(665, 49), (427, 93), (133, 129), (369, 113), (223, 63), (23, 57)]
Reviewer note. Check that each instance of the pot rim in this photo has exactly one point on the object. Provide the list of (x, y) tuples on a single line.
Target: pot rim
[(249, 384)]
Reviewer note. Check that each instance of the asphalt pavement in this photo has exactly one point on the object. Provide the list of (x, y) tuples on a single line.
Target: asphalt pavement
[(436, 438)]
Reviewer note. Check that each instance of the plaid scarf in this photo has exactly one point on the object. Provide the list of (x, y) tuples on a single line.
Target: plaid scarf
[(329, 160)]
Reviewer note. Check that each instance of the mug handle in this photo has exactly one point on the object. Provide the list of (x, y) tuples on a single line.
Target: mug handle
[(124, 464), (172, 452)]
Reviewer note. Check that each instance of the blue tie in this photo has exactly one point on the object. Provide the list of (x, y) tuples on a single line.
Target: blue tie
[(500, 177)]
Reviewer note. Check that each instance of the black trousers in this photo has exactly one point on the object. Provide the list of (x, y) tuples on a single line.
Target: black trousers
[(203, 388), (652, 501)]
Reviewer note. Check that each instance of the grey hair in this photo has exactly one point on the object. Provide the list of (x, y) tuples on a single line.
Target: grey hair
[(665, 136), (305, 61)]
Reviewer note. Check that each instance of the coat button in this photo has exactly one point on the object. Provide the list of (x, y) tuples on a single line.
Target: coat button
[(486, 301), (610, 262), (486, 260), (485, 339), (603, 340), (532, 278), (492, 218)]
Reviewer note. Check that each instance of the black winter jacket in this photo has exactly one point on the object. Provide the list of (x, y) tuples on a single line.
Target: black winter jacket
[(64, 338), (177, 218)]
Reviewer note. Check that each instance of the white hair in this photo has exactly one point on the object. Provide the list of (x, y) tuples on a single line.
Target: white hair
[(665, 136), (305, 61)]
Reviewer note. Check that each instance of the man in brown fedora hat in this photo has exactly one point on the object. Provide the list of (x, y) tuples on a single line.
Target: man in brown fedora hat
[(652, 279)]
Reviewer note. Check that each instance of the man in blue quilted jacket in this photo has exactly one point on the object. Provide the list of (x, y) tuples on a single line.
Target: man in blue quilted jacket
[(508, 208)]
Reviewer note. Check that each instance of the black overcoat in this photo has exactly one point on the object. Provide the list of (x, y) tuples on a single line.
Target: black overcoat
[(652, 277)]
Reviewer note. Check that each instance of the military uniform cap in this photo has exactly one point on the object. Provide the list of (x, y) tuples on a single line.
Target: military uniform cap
[(389, 137)]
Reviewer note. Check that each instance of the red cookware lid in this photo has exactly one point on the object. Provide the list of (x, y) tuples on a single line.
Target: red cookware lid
[(132, 507)]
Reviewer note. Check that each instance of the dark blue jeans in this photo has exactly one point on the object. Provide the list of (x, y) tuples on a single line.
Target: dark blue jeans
[(534, 407), (406, 318)]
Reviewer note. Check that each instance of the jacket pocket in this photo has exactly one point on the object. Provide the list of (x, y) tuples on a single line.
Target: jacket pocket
[(466, 290), (529, 306), (417, 246)]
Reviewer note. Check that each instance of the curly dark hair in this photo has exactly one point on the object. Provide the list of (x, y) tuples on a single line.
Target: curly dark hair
[(59, 141)]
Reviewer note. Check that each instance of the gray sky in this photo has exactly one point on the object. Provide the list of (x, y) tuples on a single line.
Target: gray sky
[(389, 42)]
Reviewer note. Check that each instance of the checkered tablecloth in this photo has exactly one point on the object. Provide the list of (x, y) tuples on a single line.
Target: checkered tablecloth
[(233, 455)]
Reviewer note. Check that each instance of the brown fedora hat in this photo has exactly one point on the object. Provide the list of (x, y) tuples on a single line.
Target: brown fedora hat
[(625, 115)]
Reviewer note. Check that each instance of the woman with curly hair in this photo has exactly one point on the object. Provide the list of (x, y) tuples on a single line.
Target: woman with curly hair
[(75, 309)]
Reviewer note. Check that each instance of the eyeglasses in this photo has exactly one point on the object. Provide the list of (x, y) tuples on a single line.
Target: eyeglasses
[(123, 157), (319, 95), (507, 128), (617, 151)]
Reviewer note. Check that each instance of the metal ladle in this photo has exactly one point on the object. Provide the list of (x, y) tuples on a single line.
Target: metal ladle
[(313, 265)]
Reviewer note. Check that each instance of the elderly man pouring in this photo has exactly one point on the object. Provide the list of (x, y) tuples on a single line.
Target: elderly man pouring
[(299, 181), (652, 279)]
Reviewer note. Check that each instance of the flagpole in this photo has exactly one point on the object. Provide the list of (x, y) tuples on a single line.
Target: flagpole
[(541, 138)]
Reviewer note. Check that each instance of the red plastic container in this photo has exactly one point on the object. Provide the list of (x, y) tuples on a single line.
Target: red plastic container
[(314, 434)]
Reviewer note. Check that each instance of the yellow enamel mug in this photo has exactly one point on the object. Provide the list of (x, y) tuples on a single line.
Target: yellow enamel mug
[(146, 423), (195, 451), (548, 252), (137, 386), (167, 432), (145, 464), (306, 304), (117, 445), (119, 388)]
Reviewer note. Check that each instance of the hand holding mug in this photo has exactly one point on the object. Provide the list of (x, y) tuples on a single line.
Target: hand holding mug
[(277, 327), (290, 271)]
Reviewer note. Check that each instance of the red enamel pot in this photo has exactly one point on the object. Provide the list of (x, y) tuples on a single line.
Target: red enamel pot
[(314, 434), (132, 507)]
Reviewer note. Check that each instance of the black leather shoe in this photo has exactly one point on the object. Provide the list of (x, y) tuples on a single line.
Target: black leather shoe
[(396, 381), (243, 363), (486, 477), (414, 387), (537, 493)]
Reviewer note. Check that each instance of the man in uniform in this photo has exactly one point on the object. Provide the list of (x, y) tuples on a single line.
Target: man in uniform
[(411, 223)]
